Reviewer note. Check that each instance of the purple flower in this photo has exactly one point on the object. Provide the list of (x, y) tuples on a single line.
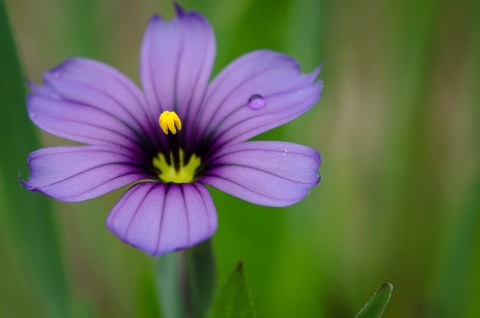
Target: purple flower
[(176, 136)]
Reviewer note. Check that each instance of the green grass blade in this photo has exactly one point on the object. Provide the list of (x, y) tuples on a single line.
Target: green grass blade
[(233, 300), (29, 214), (375, 307), (454, 280)]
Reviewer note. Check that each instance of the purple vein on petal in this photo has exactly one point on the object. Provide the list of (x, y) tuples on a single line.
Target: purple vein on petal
[(139, 135), (290, 91), (245, 60), (149, 55), (186, 215), (115, 101), (275, 123), (36, 156), (91, 169), (162, 215), (243, 82), (86, 87), (178, 58), (126, 196), (145, 110), (214, 132), (221, 155), (240, 107), (126, 147), (256, 75), (127, 230), (209, 226), (258, 169), (197, 80), (249, 190), (97, 186)]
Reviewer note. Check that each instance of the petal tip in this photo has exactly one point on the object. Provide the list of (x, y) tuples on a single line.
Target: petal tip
[(58, 71), (156, 17), (318, 86), (313, 74), (320, 66), (29, 97), (317, 157), (178, 9), (29, 84), (34, 88), (26, 185)]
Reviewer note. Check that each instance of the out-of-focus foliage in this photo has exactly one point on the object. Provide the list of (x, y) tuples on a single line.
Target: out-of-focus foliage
[(29, 217), (397, 127)]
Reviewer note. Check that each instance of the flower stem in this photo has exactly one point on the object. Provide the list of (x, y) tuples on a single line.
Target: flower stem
[(185, 281)]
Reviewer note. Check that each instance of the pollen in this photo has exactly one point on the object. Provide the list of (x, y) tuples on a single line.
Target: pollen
[(169, 122)]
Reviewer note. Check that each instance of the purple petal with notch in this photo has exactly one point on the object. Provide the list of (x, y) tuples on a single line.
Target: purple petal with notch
[(81, 172), (232, 111), (269, 173), (160, 218), (90, 102), (176, 61)]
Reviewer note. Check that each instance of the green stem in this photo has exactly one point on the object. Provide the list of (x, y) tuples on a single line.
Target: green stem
[(186, 281)]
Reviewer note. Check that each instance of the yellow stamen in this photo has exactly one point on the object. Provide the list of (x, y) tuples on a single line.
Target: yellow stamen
[(184, 173), (169, 121)]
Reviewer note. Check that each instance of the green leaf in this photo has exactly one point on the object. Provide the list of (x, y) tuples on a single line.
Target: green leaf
[(233, 300), (377, 304), (28, 214)]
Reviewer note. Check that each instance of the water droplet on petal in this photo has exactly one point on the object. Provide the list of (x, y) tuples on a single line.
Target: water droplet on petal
[(256, 102)]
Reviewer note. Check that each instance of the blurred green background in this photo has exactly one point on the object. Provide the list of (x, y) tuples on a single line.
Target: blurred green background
[(398, 127)]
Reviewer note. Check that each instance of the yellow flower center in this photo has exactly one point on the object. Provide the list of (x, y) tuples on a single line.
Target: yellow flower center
[(169, 122), (176, 173)]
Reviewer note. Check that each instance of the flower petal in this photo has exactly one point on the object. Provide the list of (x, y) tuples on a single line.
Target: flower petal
[(80, 172), (274, 77), (176, 61), (88, 101), (159, 218), (264, 172)]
